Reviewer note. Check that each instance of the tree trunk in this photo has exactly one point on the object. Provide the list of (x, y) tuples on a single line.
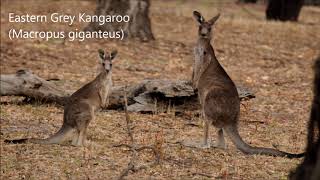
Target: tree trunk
[(310, 167), (139, 25), (284, 10), (147, 96)]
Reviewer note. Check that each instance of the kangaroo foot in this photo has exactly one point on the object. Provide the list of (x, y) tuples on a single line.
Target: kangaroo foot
[(220, 146)]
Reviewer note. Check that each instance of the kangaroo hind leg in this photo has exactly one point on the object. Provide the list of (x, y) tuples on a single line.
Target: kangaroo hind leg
[(220, 141), (83, 120), (75, 138), (81, 140)]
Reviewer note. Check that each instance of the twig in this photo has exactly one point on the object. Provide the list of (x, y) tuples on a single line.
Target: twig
[(141, 148), (192, 124), (128, 122), (86, 165), (202, 174), (134, 148), (252, 121)]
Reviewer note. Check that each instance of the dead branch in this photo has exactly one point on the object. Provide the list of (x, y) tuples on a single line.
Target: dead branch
[(202, 174), (134, 148)]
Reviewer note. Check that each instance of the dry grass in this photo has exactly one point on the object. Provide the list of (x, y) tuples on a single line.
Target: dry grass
[(274, 59)]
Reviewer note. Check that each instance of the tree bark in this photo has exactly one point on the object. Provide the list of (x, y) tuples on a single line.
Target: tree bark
[(139, 25), (146, 96), (284, 10)]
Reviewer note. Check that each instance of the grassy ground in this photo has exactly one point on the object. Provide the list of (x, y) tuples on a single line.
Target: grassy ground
[(273, 59)]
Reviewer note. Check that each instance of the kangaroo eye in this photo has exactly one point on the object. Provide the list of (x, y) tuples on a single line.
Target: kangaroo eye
[(103, 64)]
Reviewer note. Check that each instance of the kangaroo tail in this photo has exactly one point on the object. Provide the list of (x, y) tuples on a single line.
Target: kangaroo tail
[(233, 133), (59, 137)]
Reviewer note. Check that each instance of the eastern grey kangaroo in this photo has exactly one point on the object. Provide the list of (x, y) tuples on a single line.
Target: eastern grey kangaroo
[(81, 106), (218, 95)]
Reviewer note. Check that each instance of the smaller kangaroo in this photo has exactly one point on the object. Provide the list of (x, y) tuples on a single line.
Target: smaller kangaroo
[(218, 95), (81, 106)]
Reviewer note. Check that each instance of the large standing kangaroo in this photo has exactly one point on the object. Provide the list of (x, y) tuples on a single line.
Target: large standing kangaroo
[(81, 106), (218, 95)]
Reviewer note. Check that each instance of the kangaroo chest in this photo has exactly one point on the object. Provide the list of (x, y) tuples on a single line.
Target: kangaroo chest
[(105, 90)]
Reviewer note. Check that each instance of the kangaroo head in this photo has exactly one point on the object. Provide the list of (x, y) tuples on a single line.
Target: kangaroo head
[(106, 60), (205, 26)]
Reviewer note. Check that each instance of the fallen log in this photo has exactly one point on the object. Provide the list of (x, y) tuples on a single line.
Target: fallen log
[(147, 96), (25, 83)]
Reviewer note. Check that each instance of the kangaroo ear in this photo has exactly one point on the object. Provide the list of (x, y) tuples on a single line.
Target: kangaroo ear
[(214, 19), (113, 54), (198, 17), (101, 54)]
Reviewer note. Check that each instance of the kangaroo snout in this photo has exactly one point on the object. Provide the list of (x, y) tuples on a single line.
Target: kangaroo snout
[(203, 34)]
